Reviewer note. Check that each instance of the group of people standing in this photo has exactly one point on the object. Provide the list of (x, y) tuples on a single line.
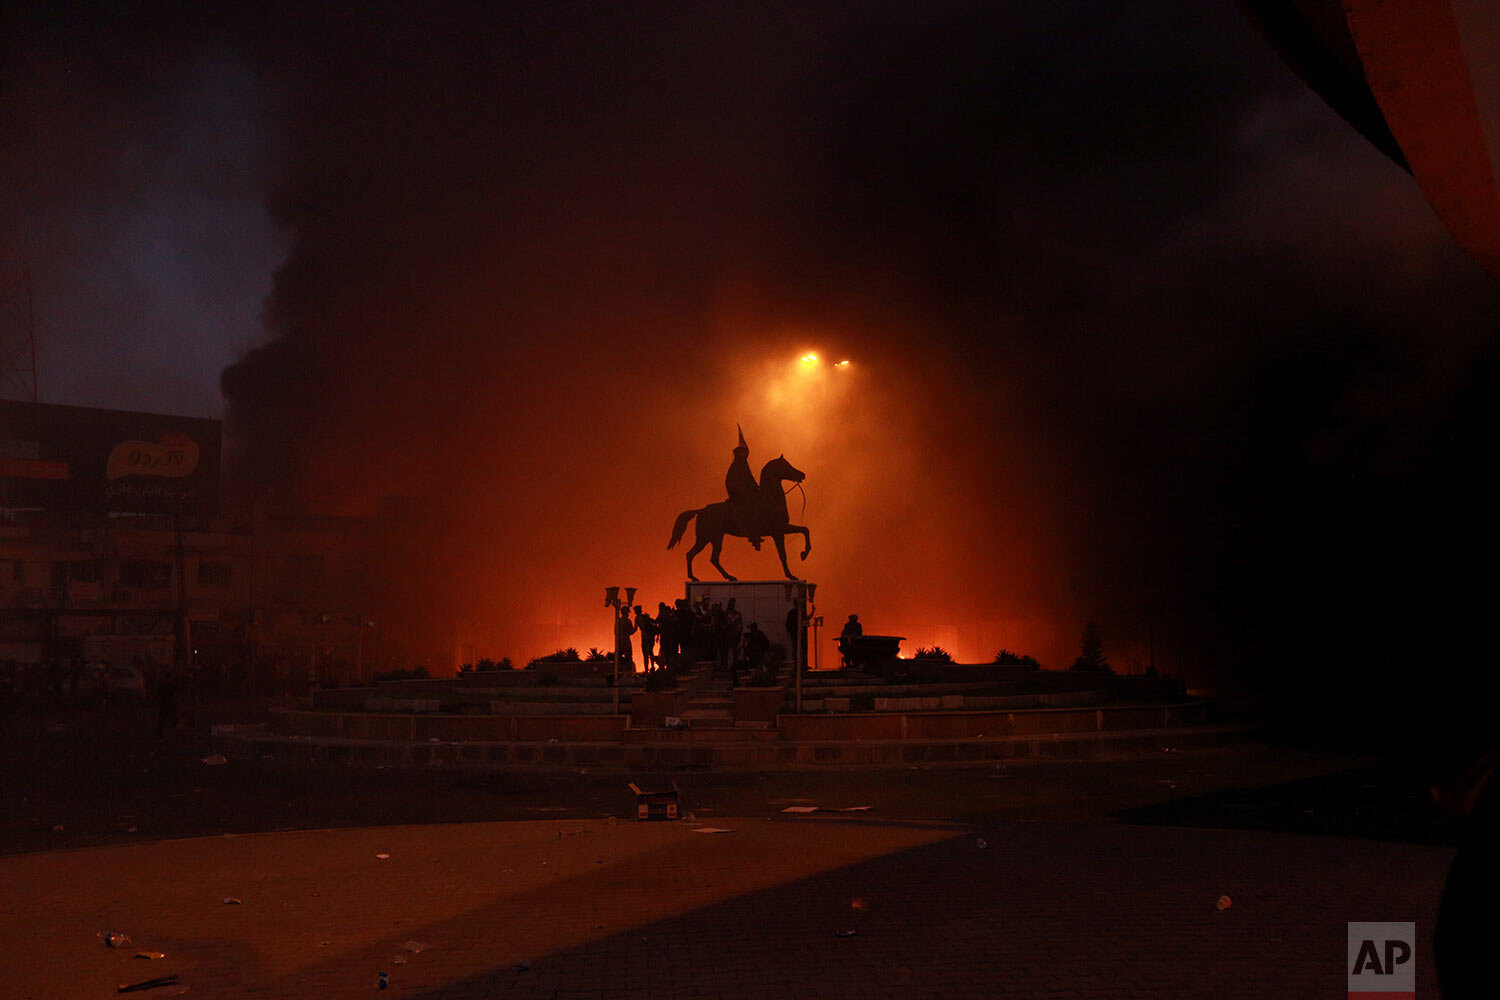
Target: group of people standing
[(713, 631)]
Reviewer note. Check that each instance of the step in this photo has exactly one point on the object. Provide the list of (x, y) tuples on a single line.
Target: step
[(708, 716)]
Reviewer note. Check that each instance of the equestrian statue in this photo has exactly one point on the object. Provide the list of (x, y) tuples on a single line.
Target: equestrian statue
[(753, 511)]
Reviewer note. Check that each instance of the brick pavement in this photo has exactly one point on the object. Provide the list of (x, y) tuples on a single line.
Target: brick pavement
[(599, 909)]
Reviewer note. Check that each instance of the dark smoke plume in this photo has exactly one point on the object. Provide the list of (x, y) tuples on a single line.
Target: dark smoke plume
[(1140, 332)]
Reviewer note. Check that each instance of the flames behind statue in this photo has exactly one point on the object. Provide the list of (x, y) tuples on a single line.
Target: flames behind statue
[(754, 510)]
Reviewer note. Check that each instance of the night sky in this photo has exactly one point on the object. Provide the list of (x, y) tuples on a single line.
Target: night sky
[(1139, 330)]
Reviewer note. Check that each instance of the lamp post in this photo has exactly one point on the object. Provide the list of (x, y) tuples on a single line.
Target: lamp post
[(801, 594), (612, 600)]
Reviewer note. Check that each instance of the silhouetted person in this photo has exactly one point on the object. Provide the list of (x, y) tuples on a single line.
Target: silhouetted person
[(744, 492), (166, 704), (623, 631), (851, 631), (794, 633), (757, 644), (686, 622), (734, 626), (666, 627), (647, 628)]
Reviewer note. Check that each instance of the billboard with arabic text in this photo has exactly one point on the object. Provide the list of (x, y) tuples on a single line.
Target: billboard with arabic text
[(78, 458)]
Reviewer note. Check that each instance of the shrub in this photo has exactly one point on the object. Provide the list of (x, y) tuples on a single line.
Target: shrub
[(933, 653), (1091, 652), (596, 654), (1008, 659), (569, 655), (488, 665)]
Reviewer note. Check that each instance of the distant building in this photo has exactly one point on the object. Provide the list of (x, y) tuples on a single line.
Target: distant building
[(113, 548)]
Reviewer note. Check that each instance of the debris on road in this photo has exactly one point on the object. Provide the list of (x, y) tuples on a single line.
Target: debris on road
[(384, 981), (981, 843), (1224, 903), (416, 947), (232, 901), (831, 809), (215, 758), (383, 857), (663, 804), (147, 984), (150, 954), (115, 939), (710, 829), (851, 932), (858, 904)]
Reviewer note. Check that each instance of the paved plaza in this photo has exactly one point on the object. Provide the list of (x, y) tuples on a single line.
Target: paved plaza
[(604, 908)]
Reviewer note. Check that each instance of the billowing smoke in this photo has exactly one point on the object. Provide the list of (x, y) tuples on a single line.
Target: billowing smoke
[(1139, 331)]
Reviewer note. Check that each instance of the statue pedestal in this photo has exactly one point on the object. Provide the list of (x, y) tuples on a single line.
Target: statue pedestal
[(765, 602)]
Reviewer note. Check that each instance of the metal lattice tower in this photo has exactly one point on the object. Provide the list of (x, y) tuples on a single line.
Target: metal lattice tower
[(17, 332)]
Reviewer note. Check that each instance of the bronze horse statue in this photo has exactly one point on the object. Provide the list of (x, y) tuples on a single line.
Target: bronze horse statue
[(765, 516)]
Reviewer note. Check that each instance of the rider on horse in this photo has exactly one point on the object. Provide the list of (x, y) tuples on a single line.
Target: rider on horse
[(744, 491)]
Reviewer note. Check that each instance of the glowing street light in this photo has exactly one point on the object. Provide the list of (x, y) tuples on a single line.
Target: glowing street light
[(809, 359), (842, 364)]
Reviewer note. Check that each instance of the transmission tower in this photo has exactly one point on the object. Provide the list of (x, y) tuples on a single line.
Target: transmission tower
[(17, 332)]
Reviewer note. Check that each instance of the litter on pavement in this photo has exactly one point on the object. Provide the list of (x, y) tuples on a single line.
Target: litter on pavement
[(662, 804), (416, 947), (216, 758), (232, 901), (710, 829), (830, 809), (147, 984), (150, 954), (1224, 903)]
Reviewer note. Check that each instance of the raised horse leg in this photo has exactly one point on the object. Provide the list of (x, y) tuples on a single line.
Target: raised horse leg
[(795, 529), (781, 551)]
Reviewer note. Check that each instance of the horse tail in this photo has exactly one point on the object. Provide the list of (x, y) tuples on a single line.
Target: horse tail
[(681, 525)]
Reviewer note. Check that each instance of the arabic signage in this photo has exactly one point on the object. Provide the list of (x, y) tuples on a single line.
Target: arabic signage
[(75, 458)]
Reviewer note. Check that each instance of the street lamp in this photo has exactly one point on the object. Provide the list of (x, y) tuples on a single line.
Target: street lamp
[(801, 594), (612, 600)]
